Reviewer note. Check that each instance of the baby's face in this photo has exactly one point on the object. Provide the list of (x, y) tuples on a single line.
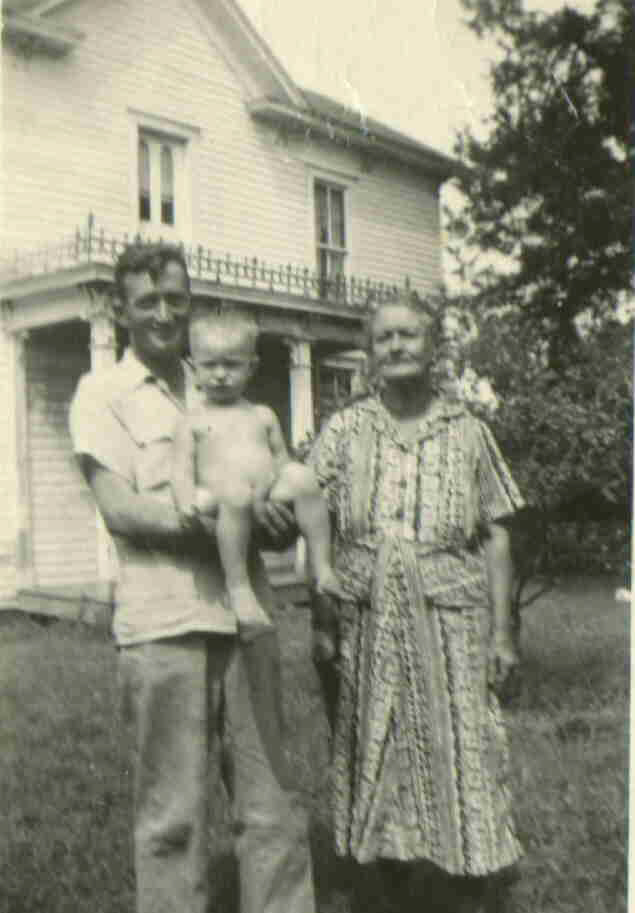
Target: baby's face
[(223, 362)]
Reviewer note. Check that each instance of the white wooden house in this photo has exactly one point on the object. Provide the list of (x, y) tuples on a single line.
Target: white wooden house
[(173, 119)]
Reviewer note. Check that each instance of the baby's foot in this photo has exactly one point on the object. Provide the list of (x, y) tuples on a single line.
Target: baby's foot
[(326, 583), (252, 618)]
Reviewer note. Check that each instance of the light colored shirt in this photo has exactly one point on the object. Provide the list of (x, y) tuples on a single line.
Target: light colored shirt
[(125, 419)]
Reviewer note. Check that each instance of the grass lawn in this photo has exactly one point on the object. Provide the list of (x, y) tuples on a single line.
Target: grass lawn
[(65, 785)]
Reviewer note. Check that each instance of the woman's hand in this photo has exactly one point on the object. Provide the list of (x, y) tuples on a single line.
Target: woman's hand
[(503, 664)]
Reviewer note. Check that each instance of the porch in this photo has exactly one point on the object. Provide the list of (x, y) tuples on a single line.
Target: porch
[(58, 325)]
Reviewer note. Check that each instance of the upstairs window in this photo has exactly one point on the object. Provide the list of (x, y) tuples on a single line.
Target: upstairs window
[(145, 209), (167, 185), (331, 236), (158, 161)]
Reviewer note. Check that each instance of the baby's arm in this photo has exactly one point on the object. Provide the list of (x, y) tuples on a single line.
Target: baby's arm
[(184, 469)]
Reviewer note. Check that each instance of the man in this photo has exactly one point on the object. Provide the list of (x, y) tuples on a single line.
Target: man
[(180, 658)]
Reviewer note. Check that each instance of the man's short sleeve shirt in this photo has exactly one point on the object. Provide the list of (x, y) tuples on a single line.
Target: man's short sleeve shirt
[(125, 420)]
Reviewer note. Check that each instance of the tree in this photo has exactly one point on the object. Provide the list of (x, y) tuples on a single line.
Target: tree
[(568, 437), (548, 189), (542, 240)]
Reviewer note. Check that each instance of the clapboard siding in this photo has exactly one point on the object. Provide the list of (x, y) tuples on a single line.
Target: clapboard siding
[(62, 511), (67, 135), (397, 220)]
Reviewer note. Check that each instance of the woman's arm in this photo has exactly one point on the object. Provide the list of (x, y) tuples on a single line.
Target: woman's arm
[(498, 558), (503, 657)]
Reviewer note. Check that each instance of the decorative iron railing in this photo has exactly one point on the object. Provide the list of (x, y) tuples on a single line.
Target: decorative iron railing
[(95, 246)]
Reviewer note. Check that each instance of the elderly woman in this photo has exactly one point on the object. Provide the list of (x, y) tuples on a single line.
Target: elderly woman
[(420, 497)]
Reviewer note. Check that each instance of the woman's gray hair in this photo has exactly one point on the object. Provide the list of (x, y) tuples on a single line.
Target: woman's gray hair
[(429, 308)]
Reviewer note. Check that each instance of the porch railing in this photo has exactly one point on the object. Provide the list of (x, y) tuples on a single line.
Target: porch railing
[(92, 245)]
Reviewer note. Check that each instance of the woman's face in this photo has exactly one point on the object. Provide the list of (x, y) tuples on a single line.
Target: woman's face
[(401, 343)]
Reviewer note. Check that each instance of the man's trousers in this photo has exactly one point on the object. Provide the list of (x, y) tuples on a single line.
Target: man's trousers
[(175, 690)]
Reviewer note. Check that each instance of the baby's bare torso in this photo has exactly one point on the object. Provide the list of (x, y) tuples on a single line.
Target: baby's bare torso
[(233, 442)]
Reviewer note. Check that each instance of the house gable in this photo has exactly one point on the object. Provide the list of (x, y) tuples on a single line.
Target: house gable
[(222, 21), (196, 72), (271, 92), (70, 121)]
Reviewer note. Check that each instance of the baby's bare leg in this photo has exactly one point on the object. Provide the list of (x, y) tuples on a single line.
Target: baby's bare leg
[(324, 626), (233, 534), (297, 482)]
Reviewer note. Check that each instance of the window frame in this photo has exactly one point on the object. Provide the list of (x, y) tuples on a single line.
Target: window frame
[(352, 363), (183, 140), (331, 250)]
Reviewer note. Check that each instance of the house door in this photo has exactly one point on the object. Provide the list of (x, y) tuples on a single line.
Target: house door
[(63, 520), (270, 384)]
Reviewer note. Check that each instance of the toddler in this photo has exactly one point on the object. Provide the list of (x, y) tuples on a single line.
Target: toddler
[(230, 457)]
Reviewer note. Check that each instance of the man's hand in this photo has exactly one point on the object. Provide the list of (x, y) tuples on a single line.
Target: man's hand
[(207, 523), (502, 665), (188, 516), (276, 527)]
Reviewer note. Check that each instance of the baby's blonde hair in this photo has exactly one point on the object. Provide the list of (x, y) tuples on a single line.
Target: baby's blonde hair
[(226, 320)]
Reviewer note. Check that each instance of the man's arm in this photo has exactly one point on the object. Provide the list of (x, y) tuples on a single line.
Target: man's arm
[(129, 513)]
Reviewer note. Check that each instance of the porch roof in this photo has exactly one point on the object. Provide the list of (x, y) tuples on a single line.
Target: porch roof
[(89, 255)]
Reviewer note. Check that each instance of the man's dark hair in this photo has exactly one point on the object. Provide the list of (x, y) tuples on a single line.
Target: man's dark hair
[(151, 258)]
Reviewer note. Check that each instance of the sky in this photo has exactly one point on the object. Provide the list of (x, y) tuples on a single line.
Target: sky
[(413, 64)]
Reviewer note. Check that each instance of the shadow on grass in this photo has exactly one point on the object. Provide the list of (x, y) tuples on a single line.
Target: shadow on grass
[(223, 876)]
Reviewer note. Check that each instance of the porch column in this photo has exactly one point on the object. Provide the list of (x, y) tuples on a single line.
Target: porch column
[(301, 414), (300, 390), (24, 563), (103, 355), (103, 347)]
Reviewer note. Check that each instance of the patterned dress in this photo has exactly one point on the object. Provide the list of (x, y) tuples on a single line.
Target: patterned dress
[(420, 765)]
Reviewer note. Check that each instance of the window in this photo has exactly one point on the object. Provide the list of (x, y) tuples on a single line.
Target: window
[(163, 171), (159, 162), (145, 209), (167, 186), (334, 389), (331, 236)]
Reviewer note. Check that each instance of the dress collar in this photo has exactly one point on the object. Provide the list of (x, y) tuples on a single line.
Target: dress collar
[(440, 410)]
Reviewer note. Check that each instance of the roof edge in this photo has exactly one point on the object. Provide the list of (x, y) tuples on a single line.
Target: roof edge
[(251, 49), (56, 39), (367, 134)]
